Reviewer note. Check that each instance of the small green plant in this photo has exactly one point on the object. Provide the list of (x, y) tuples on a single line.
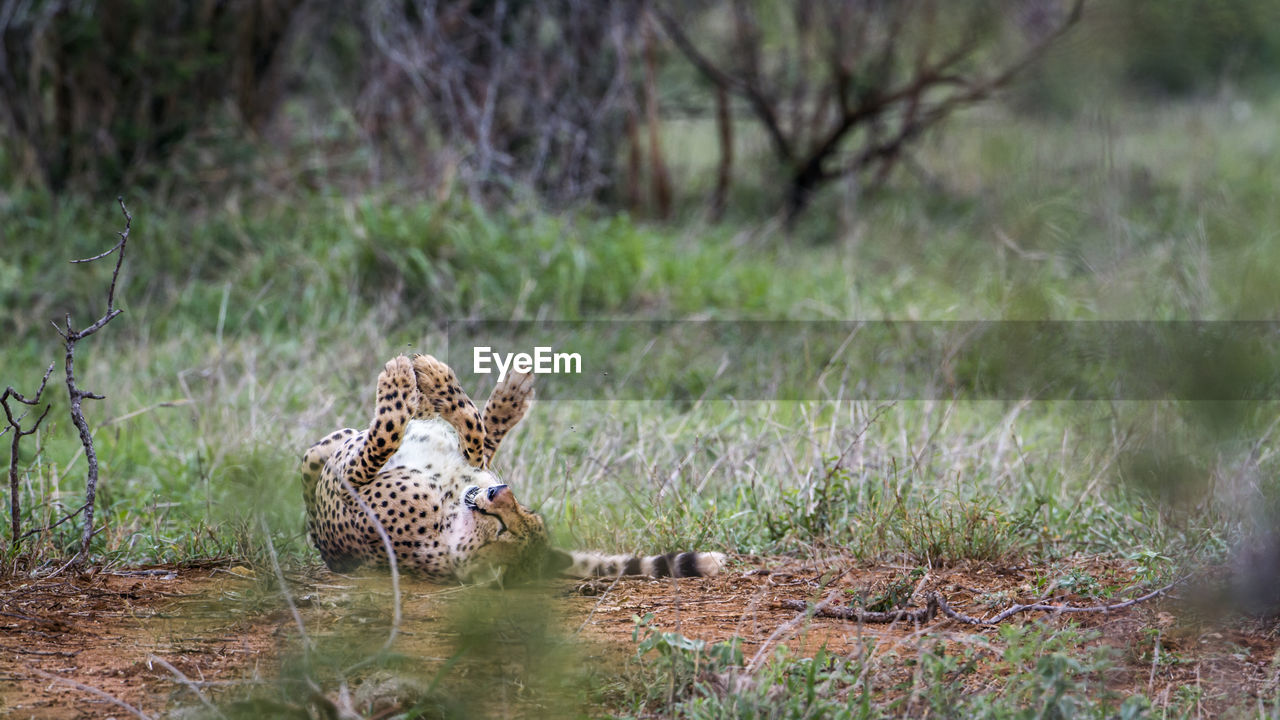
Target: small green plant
[(821, 509), (701, 680), (943, 533), (681, 661), (895, 595)]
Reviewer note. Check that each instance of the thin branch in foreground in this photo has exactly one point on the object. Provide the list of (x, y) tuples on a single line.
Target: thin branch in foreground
[(284, 588), (182, 678), (52, 525), (77, 394), (391, 562), (15, 425), (936, 603), (92, 690)]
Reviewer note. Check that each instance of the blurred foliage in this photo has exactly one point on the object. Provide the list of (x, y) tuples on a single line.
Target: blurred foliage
[(1171, 48), (1190, 46), (96, 91), (506, 99)]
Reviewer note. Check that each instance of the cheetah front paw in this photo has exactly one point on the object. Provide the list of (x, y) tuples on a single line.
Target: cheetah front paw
[(438, 384), (515, 392), (398, 393)]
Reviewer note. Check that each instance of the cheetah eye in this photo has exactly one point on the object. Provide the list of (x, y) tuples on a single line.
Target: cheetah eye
[(469, 497)]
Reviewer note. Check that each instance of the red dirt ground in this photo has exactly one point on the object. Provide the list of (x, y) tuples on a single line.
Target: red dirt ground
[(220, 627)]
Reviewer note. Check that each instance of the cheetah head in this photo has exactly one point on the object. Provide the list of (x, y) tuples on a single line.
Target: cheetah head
[(512, 539)]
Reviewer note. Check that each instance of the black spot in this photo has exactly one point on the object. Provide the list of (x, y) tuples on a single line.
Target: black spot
[(632, 567), (687, 565), (661, 567)]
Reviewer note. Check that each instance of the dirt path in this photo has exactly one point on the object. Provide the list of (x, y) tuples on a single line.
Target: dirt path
[(102, 630), (225, 630)]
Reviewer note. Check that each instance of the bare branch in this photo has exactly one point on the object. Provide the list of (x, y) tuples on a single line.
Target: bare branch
[(760, 103), (50, 526), (889, 79), (15, 425), (77, 394), (935, 603)]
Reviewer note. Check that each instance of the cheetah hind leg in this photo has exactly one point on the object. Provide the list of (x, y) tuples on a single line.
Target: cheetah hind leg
[(507, 405), (443, 395), (398, 400)]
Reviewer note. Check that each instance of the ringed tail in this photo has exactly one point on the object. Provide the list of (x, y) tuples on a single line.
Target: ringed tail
[(676, 564)]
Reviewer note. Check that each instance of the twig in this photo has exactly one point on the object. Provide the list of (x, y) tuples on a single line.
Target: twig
[(1041, 607), (936, 603), (52, 653), (47, 528), (76, 394), (284, 588), (15, 503), (391, 562), (595, 607), (93, 690), (185, 681), (805, 613)]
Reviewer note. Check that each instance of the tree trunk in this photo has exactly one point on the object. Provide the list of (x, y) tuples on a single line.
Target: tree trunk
[(724, 122), (658, 175)]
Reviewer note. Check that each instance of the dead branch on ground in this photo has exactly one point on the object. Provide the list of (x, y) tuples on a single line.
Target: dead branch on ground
[(15, 426), (935, 603), (75, 393)]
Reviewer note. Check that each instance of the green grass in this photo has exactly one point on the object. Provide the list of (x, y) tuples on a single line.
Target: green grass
[(1047, 676), (253, 327)]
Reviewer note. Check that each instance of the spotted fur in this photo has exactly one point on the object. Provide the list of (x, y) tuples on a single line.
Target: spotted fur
[(422, 469)]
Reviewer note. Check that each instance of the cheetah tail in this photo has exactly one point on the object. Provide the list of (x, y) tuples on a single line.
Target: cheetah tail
[(678, 564)]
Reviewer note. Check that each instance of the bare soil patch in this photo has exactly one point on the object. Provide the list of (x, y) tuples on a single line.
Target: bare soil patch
[(101, 629), (222, 628)]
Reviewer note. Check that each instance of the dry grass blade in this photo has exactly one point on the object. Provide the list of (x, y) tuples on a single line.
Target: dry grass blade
[(182, 678), (91, 690)]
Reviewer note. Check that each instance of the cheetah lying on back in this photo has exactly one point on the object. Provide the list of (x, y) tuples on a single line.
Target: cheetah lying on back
[(422, 468)]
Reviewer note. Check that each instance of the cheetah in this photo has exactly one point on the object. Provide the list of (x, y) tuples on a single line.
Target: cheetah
[(421, 472)]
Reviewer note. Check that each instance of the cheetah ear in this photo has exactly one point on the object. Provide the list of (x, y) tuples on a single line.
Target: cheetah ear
[(556, 562)]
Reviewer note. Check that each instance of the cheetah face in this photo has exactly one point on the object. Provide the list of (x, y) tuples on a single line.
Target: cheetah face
[(511, 536)]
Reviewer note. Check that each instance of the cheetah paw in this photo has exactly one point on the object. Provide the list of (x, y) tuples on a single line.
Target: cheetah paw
[(398, 383)]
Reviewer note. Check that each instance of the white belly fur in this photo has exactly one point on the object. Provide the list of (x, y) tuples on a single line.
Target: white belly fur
[(431, 442)]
